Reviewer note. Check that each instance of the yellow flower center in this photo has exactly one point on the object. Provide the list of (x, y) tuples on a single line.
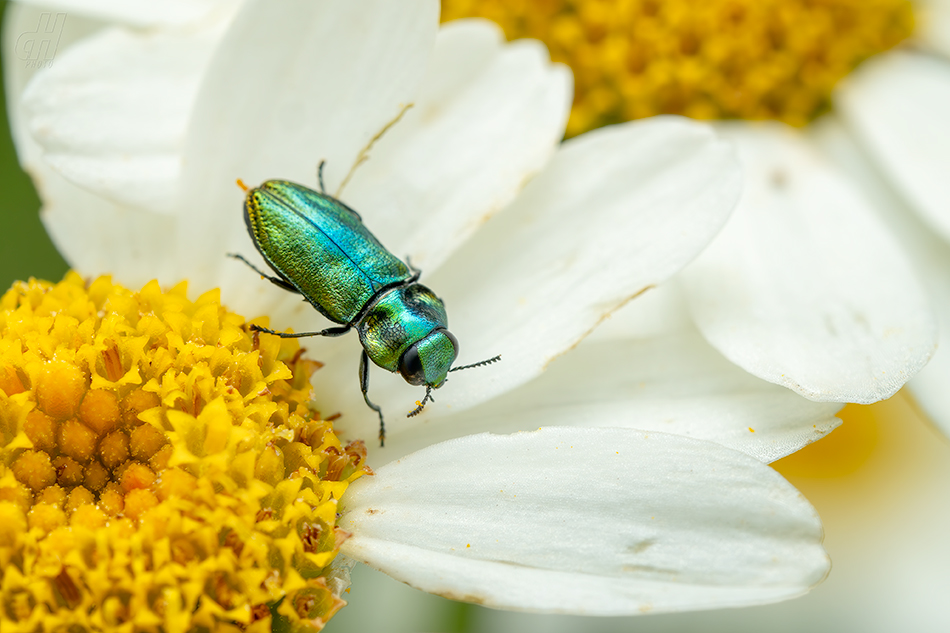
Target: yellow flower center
[(160, 468), (707, 59)]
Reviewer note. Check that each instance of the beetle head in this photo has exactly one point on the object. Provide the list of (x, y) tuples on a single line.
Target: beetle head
[(427, 361)]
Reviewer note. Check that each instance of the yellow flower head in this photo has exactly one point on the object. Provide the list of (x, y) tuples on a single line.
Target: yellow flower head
[(708, 59), (160, 468)]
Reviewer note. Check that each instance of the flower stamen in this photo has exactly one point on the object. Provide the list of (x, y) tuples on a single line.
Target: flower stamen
[(716, 59), (160, 466)]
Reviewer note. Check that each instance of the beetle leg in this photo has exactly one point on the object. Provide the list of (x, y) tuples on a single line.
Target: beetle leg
[(416, 272), (330, 331), (323, 189), (277, 281), (364, 387)]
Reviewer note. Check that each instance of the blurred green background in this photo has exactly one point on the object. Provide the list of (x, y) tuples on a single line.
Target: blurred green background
[(25, 249)]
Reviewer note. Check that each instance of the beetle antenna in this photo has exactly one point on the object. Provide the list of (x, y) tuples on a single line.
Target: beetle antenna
[(363, 156), (422, 404), (478, 364), (323, 162)]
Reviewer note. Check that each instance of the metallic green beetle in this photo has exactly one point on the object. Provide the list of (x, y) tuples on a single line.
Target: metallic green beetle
[(320, 249)]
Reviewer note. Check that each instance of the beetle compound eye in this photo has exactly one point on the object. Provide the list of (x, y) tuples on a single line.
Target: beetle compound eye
[(410, 366)]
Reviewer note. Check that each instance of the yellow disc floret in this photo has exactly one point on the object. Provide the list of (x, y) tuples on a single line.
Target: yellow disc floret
[(160, 467), (708, 59)]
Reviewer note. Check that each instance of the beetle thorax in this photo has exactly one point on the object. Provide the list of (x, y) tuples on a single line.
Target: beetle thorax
[(397, 319)]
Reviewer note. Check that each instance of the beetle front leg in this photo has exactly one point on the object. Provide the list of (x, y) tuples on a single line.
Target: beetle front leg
[(330, 331), (364, 387), (277, 281)]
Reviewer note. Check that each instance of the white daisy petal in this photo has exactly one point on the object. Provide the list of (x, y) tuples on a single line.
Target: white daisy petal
[(658, 312), (111, 113), (21, 21), (98, 237), (616, 212), (271, 103), (588, 521), (143, 13), (897, 104), (675, 384), (804, 287), (448, 166), (929, 253), (930, 385)]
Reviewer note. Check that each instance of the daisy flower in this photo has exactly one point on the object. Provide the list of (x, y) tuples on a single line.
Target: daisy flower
[(135, 136)]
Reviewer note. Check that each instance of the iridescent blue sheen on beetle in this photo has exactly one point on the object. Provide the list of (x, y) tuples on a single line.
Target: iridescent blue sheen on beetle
[(320, 249)]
